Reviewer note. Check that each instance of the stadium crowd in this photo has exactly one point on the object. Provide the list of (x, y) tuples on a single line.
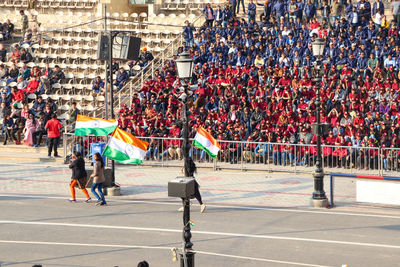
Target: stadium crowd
[(256, 83), (20, 122)]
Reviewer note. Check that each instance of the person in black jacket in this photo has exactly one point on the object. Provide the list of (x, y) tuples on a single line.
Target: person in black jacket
[(40, 131), (192, 169), (79, 176)]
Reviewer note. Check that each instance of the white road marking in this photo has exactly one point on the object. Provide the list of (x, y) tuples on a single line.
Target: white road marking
[(173, 203), (151, 229), (153, 247)]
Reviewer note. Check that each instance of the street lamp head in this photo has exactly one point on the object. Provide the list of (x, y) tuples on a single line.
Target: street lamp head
[(184, 66), (318, 46)]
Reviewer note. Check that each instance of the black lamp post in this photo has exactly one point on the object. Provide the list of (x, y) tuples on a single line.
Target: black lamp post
[(318, 198), (184, 67)]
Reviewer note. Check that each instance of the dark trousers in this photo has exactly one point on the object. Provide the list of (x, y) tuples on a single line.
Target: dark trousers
[(397, 19), (9, 135), (53, 142), (209, 22), (197, 192), (238, 2), (37, 134), (13, 135)]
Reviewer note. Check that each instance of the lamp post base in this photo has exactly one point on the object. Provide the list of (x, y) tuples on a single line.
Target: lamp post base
[(189, 258), (319, 203)]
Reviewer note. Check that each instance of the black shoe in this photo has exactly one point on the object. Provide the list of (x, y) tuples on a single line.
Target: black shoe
[(57, 156)]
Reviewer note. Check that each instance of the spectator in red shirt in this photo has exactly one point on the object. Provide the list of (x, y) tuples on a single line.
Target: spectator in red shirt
[(33, 86), (53, 127), (17, 95)]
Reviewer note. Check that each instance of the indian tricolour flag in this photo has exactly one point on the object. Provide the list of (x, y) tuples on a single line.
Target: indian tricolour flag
[(205, 141), (86, 125), (125, 148)]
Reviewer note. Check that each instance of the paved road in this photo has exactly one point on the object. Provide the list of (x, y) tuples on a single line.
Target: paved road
[(250, 220)]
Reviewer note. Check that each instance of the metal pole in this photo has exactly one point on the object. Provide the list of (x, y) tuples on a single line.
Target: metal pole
[(105, 63), (188, 257), (185, 134), (319, 193), (110, 44)]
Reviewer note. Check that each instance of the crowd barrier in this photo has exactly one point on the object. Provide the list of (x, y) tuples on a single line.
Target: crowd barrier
[(244, 155), (384, 191)]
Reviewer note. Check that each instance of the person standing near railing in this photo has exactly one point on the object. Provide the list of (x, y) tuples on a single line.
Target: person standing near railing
[(53, 127), (235, 150), (209, 15), (188, 33)]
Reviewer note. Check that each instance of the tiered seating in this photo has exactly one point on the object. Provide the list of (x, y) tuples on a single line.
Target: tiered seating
[(184, 5)]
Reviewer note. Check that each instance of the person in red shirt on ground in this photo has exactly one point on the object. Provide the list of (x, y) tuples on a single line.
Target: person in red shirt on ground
[(53, 127)]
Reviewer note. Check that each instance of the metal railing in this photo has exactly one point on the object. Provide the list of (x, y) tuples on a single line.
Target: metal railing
[(271, 157)]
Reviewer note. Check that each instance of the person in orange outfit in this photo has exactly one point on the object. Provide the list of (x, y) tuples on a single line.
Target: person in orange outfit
[(79, 176)]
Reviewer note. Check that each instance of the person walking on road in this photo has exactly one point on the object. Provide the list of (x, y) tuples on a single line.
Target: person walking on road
[(79, 176), (191, 170), (98, 179), (53, 127)]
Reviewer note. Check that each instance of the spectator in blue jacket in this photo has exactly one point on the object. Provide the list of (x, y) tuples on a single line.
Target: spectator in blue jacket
[(98, 85), (279, 9), (226, 16), (209, 15), (364, 9), (378, 5), (188, 33), (122, 78), (251, 11), (362, 64), (310, 10), (218, 15)]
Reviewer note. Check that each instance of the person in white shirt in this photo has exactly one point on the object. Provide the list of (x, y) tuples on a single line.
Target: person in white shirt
[(389, 61), (378, 18)]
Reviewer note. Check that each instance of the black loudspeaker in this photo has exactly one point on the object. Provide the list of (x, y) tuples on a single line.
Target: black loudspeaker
[(102, 47), (124, 47)]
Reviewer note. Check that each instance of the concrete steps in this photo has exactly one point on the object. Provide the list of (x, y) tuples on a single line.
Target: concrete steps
[(22, 153)]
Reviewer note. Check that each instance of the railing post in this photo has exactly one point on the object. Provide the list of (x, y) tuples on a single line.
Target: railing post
[(152, 68), (162, 152), (141, 78), (65, 144), (119, 100), (130, 95), (215, 163), (241, 156), (380, 165)]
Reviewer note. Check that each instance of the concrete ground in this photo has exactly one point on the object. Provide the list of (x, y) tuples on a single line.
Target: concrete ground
[(251, 220)]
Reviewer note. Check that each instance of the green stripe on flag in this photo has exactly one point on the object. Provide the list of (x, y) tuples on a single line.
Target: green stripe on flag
[(198, 145), (95, 131), (117, 155)]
